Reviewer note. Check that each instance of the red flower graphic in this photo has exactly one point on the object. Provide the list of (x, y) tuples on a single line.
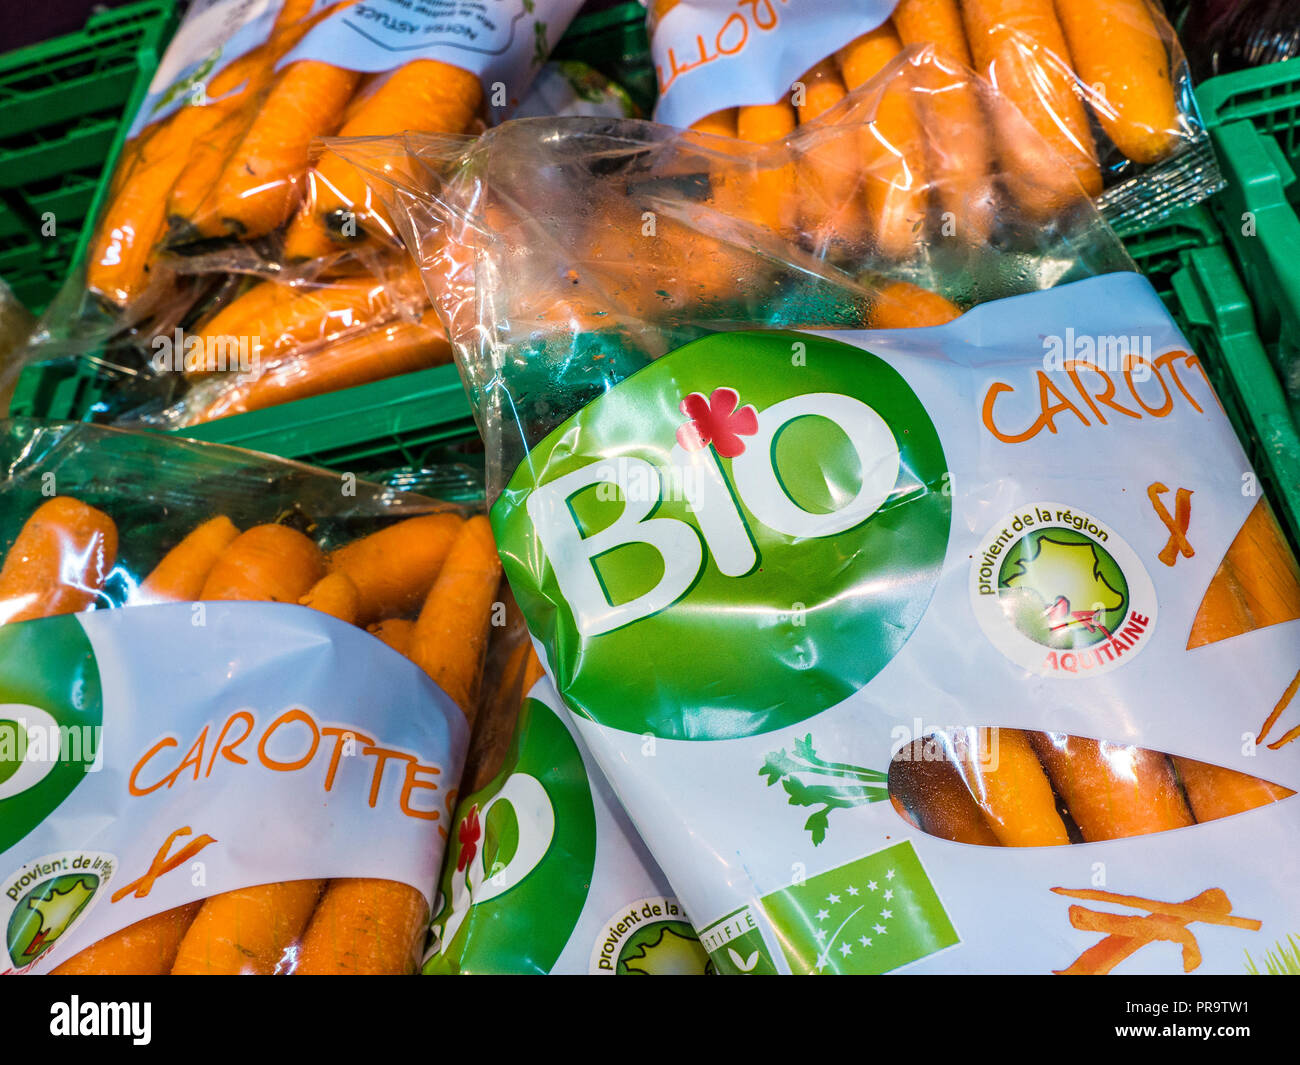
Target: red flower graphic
[(716, 421), (469, 835)]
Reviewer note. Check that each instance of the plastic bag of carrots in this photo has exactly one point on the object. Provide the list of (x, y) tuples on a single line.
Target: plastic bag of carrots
[(213, 762), (962, 648), (1105, 84), (544, 873), (221, 148)]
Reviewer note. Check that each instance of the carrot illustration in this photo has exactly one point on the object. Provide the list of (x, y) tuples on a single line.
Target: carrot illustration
[(261, 181), (58, 562), (394, 568), (364, 927), (1112, 790), (1116, 47), (389, 351), (146, 948), (1214, 791), (247, 931), (1010, 786), (896, 184), (932, 786), (336, 595), (396, 632), (268, 563), (903, 305), (960, 152), (451, 632), (1020, 47), (180, 576)]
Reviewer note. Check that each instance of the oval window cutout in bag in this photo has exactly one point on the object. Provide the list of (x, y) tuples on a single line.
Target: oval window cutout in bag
[(1017, 788)]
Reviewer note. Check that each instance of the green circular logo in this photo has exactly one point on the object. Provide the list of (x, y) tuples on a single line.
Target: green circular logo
[(46, 913), (667, 948), (1062, 589), (739, 536), (1060, 593)]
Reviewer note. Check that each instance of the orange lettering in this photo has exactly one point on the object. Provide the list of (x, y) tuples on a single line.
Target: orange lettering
[(194, 756), (382, 754), (228, 750), (131, 784), (341, 736), (996, 389), (411, 782), (284, 719), (1155, 412), (1167, 359)]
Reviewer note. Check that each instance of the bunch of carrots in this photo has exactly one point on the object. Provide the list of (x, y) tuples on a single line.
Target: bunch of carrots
[(235, 164), (424, 585), (1053, 61), (313, 338), (1017, 788)]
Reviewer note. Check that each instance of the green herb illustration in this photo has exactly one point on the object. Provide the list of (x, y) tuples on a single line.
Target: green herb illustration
[(811, 781), (1282, 960)]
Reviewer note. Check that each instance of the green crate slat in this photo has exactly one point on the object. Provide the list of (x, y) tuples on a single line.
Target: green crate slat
[(1267, 97), (616, 43), (1213, 301), (66, 104)]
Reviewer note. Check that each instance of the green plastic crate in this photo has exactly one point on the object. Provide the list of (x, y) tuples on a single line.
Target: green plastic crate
[(1254, 118), (63, 103), (616, 43), (1190, 267)]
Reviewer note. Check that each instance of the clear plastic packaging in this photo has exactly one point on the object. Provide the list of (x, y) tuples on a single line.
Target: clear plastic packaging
[(1105, 85), (1007, 569), (302, 829)]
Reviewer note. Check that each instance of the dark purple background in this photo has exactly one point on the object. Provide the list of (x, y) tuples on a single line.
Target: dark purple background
[(29, 21)]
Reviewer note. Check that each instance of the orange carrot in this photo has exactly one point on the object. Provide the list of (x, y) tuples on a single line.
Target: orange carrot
[(146, 948), (336, 595), (452, 629), (395, 632), (1011, 788), (902, 305), (426, 95), (365, 928), (248, 930), (1116, 46), (58, 562), (829, 206), (180, 576), (280, 318), (1256, 584), (893, 146), (719, 124), (262, 180), (389, 351), (769, 195), (932, 786), (533, 670), (1214, 792), (960, 152), (268, 563), (118, 267), (1020, 47), (394, 569), (1112, 790)]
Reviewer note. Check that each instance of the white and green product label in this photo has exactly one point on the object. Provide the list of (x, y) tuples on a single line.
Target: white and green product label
[(544, 873), (767, 562), (155, 756)]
